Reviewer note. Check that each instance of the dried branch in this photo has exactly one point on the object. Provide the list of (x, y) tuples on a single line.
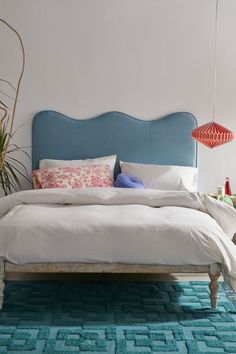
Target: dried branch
[(17, 92), (6, 94), (8, 82)]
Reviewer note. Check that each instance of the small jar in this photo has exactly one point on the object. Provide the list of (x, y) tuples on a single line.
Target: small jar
[(220, 190)]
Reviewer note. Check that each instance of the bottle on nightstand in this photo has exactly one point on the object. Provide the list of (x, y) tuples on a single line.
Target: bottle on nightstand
[(227, 186)]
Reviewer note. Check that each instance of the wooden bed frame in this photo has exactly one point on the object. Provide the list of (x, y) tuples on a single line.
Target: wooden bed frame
[(165, 141), (214, 271)]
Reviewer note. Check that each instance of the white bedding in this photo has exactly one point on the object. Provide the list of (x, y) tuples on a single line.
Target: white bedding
[(117, 225)]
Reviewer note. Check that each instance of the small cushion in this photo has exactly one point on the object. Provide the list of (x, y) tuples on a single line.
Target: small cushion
[(127, 181)]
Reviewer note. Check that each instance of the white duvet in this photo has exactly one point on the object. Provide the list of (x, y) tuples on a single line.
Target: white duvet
[(118, 225)]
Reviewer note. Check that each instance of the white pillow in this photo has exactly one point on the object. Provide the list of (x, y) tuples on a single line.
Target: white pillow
[(163, 176), (107, 160)]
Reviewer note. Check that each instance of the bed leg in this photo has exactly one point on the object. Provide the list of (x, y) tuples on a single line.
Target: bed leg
[(214, 273), (2, 285)]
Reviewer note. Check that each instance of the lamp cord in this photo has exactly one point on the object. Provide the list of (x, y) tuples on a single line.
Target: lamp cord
[(215, 52)]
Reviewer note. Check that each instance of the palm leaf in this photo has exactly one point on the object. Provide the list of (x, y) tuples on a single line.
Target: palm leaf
[(12, 169), (20, 149), (17, 167), (12, 176), (18, 163), (8, 183)]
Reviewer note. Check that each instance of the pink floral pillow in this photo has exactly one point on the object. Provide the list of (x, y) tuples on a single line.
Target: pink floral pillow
[(73, 177)]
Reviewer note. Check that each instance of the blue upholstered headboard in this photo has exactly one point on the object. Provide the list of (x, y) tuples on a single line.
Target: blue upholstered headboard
[(165, 141)]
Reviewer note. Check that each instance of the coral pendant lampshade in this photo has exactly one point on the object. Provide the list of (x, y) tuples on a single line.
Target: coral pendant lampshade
[(212, 134)]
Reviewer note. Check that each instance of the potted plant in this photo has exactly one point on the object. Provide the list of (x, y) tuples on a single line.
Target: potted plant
[(11, 169)]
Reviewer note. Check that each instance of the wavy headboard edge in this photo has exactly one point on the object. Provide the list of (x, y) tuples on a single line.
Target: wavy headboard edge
[(167, 140)]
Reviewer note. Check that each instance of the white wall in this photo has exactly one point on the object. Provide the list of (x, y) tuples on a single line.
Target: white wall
[(143, 57)]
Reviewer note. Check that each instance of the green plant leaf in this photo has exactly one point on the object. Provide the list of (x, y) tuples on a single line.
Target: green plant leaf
[(20, 149), (13, 169), (17, 167)]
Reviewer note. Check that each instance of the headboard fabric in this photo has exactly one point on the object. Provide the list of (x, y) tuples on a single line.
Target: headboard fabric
[(166, 141)]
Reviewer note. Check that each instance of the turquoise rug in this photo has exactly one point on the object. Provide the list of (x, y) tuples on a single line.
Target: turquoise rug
[(115, 318)]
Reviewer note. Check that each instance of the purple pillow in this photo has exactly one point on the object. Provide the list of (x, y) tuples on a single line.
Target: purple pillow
[(127, 181)]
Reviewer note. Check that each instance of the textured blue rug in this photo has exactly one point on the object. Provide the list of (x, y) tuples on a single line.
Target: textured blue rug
[(115, 317)]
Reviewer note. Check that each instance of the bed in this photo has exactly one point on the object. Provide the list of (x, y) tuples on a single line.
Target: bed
[(165, 141)]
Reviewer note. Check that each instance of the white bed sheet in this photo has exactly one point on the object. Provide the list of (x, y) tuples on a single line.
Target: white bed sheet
[(111, 225)]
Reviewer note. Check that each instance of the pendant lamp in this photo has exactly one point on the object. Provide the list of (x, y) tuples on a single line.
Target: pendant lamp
[(213, 134)]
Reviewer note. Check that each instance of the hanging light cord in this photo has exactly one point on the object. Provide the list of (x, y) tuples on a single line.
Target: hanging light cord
[(215, 52)]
